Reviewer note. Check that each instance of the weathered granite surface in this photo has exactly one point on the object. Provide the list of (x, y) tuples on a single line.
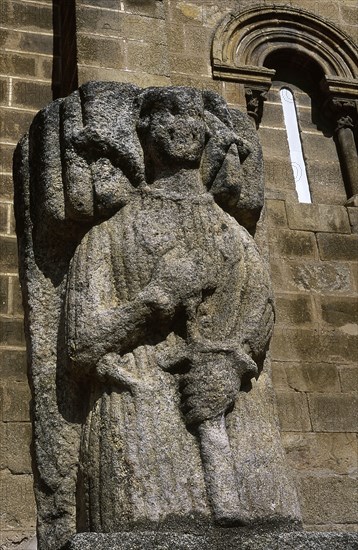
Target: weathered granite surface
[(149, 312), (221, 540)]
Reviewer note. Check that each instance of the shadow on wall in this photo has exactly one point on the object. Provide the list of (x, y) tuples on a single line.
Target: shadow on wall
[(64, 70)]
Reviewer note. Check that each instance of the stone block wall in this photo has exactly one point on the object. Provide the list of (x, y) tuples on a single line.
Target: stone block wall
[(313, 248), (26, 66), (314, 352), (313, 257)]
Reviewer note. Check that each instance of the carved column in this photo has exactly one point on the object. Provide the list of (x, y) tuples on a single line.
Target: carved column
[(348, 150), (256, 80), (255, 98), (341, 108)]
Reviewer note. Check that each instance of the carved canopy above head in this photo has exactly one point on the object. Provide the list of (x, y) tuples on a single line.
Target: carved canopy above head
[(243, 41), (96, 160)]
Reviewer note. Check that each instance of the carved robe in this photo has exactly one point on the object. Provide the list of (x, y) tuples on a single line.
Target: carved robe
[(139, 461), (116, 312)]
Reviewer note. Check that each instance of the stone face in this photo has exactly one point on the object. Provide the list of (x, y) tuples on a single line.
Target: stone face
[(8, 259), (313, 276), (16, 406), (11, 332), (353, 218), (29, 41), (310, 346), (341, 313), (149, 308), (16, 440), (17, 498), (326, 182), (13, 364), (349, 378)]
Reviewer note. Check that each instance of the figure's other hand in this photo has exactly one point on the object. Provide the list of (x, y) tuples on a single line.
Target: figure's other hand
[(210, 387)]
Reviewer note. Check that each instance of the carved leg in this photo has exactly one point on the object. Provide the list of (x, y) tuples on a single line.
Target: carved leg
[(219, 473)]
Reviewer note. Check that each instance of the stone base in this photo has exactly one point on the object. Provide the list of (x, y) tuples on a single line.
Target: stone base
[(220, 539)]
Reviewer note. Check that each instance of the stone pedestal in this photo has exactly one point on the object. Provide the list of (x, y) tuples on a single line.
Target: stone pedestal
[(229, 539)]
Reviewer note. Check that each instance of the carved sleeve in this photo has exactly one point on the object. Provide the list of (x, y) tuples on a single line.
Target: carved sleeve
[(256, 317), (97, 323)]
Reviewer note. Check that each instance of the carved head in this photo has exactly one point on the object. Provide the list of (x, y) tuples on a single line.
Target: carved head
[(171, 126)]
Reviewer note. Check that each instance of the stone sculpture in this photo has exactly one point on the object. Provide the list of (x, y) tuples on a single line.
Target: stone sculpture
[(149, 312)]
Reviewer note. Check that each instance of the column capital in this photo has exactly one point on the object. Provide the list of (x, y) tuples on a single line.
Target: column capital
[(255, 98), (341, 102)]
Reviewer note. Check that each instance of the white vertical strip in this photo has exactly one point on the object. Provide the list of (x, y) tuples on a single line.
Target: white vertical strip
[(10, 296), (10, 91), (295, 146), (8, 219)]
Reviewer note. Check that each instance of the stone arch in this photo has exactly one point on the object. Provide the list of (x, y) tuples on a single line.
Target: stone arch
[(244, 39), (244, 42)]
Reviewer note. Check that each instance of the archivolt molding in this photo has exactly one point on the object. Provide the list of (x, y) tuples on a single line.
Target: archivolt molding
[(243, 41)]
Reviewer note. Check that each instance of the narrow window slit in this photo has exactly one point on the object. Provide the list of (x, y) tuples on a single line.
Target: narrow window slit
[(295, 145)]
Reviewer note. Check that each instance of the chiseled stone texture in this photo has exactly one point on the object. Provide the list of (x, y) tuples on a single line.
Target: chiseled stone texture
[(313, 377), (293, 411), (353, 218), (335, 452), (186, 30), (313, 276), (220, 541), (349, 378), (149, 311), (334, 412), (338, 247), (276, 213), (337, 492), (26, 85), (288, 242), (318, 217)]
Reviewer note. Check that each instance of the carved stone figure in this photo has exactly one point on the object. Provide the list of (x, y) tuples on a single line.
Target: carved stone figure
[(149, 313)]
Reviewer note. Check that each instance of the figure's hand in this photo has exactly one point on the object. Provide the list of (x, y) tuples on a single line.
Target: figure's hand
[(210, 387), (121, 372), (158, 300), (178, 280), (184, 273)]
